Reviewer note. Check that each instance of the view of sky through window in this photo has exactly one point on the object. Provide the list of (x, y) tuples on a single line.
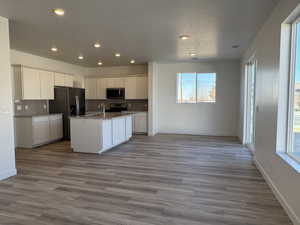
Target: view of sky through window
[(196, 87)]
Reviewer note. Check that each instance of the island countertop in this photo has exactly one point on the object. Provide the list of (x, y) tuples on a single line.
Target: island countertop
[(103, 116)]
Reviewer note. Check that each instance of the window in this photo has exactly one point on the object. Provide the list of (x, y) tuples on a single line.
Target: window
[(293, 134), (196, 87), (250, 103)]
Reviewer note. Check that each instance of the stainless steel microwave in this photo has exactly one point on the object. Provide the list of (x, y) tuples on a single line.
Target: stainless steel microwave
[(115, 93)]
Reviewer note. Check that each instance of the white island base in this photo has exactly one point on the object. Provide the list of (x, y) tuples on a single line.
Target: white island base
[(97, 134)]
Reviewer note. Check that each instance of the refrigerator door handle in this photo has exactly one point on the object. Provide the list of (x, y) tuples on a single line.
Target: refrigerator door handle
[(77, 105)]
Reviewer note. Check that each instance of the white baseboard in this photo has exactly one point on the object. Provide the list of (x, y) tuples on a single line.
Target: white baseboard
[(7, 174), (251, 148), (294, 218)]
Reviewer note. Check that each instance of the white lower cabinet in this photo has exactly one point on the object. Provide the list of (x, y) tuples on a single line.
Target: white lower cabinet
[(129, 123), (33, 131), (40, 130), (140, 123), (119, 130), (56, 127), (92, 135)]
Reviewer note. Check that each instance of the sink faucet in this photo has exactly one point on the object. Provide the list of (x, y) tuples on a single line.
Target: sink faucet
[(103, 109)]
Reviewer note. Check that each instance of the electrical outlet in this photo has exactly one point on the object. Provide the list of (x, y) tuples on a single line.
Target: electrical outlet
[(19, 107), (45, 106), (26, 107)]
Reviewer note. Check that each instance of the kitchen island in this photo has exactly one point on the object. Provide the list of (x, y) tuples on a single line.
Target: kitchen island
[(100, 132)]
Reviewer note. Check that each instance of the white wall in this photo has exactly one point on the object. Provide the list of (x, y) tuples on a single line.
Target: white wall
[(27, 59), (266, 47), (152, 99), (219, 119), (7, 151)]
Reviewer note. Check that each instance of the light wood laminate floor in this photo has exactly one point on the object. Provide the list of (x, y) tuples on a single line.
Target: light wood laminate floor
[(162, 180)]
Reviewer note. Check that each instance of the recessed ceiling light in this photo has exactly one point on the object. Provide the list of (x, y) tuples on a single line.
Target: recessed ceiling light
[(184, 37), (97, 45), (235, 46), (132, 61), (193, 54), (54, 49), (80, 57), (117, 54), (59, 12), (100, 63)]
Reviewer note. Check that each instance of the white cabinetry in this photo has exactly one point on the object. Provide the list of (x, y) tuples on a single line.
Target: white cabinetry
[(140, 122), (101, 88), (32, 84), (91, 88), (129, 130), (38, 130), (136, 88), (142, 88), (47, 84), (107, 133), (130, 88), (63, 80), (119, 130), (56, 127), (115, 82)]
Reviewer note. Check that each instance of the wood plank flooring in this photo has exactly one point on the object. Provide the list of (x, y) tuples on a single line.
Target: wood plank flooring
[(162, 180)]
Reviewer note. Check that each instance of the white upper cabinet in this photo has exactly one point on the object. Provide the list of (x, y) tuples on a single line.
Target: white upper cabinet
[(59, 79), (135, 87), (30, 84), (47, 84), (91, 88), (130, 88), (33, 84), (115, 83), (63, 80), (142, 87), (37, 84), (69, 81), (101, 88)]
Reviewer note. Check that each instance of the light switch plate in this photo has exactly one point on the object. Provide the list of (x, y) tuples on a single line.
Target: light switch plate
[(45, 106)]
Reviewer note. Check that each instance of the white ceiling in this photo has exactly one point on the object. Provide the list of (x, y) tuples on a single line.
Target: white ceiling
[(144, 30)]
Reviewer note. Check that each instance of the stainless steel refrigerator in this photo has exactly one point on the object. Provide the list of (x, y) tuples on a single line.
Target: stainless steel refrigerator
[(70, 102)]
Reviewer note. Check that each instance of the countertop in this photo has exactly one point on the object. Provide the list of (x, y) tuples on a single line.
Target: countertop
[(101, 116), (37, 115)]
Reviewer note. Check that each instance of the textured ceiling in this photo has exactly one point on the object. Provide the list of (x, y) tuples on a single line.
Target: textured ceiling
[(144, 30)]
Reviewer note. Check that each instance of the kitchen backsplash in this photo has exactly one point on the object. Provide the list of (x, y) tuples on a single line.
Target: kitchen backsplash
[(30, 107), (133, 105)]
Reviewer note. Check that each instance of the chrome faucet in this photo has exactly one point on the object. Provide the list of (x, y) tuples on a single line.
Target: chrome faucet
[(103, 109)]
